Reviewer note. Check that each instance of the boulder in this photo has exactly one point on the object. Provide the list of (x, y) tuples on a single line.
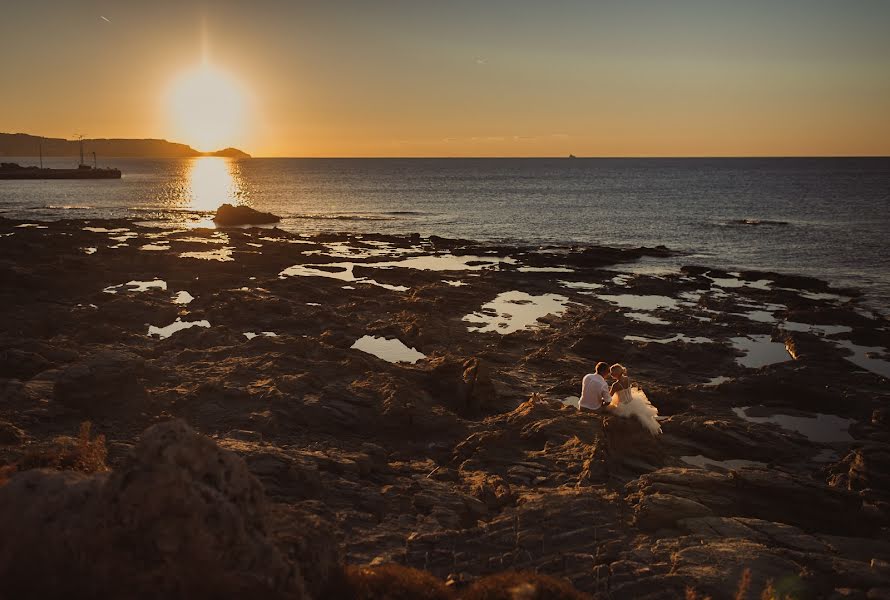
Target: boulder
[(521, 585), (865, 468), (631, 445), (19, 364), (492, 491), (464, 386), (716, 567), (107, 378), (10, 435), (391, 581), (750, 493), (228, 215), (180, 518), (658, 511)]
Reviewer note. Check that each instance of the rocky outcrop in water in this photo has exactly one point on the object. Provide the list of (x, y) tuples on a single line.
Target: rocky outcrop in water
[(228, 216)]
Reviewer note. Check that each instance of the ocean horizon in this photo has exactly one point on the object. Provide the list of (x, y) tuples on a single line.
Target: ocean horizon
[(825, 217)]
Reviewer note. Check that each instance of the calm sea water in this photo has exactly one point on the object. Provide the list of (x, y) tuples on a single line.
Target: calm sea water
[(824, 217)]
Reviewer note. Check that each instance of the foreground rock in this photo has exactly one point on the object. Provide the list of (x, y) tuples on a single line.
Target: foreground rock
[(101, 381), (462, 465), (228, 216), (183, 518), (180, 517)]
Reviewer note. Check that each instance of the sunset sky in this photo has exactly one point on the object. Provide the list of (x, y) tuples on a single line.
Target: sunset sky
[(456, 78)]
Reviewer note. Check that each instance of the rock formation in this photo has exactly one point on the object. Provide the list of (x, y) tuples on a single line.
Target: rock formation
[(303, 455), (180, 517), (228, 216)]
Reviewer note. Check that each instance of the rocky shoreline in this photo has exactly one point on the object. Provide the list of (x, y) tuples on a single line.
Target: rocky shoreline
[(467, 459)]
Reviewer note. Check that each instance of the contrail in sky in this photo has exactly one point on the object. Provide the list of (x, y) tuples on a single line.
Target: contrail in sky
[(106, 19)]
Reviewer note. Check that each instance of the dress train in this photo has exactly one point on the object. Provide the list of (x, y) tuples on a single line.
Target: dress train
[(632, 402)]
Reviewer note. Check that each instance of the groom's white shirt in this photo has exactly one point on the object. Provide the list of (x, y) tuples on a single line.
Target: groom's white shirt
[(594, 392)]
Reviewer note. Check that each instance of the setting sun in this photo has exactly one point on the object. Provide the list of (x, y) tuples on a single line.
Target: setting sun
[(206, 107)]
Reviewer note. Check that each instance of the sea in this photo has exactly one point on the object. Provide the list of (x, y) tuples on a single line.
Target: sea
[(823, 217)]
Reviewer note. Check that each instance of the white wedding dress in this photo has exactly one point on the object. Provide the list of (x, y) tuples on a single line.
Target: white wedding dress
[(632, 402)]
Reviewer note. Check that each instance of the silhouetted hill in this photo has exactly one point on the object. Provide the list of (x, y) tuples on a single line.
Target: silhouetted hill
[(22, 144), (229, 153)]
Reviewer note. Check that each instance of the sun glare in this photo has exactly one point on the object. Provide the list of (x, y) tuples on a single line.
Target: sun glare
[(206, 108)]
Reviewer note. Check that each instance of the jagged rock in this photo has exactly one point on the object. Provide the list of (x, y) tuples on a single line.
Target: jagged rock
[(631, 445), (131, 311), (724, 437), (48, 542), (492, 491), (535, 443), (245, 435), (284, 475), (556, 533), (390, 582), (756, 530), (228, 215), (402, 406), (450, 508), (50, 352), (110, 377), (480, 393), (865, 470), (180, 517), (870, 468), (309, 542), (10, 435), (715, 568), (522, 586), (805, 503), (657, 511), (19, 364), (464, 386)]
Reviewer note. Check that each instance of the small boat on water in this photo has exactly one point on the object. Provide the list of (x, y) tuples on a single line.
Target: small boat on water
[(16, 171), (10, 170)]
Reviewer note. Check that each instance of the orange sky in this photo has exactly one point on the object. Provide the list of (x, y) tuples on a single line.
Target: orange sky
[(496, 78)]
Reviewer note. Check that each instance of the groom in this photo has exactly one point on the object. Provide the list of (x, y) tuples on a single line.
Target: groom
[(595, 389)]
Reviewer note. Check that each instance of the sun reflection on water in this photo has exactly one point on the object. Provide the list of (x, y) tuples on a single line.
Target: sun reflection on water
[(214, 181)]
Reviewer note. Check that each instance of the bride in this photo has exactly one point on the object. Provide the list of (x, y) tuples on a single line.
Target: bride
[(630, 401)]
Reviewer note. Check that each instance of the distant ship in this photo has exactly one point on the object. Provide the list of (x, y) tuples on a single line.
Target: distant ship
[(572, 156), (17, 171), (83, 171)]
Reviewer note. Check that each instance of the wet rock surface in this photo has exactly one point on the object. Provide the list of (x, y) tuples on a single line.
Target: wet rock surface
[(464, 464)]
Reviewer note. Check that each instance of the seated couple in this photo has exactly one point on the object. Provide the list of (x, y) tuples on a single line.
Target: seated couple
[(608, 390)]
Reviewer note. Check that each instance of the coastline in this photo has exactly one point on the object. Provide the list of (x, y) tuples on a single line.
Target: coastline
[(468, 462), (791, 216)]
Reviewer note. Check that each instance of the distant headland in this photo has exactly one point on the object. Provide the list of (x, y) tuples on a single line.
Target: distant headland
[(22, 144)]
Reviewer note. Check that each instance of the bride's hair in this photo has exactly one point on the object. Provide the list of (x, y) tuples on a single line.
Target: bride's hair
[(619, 367)]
